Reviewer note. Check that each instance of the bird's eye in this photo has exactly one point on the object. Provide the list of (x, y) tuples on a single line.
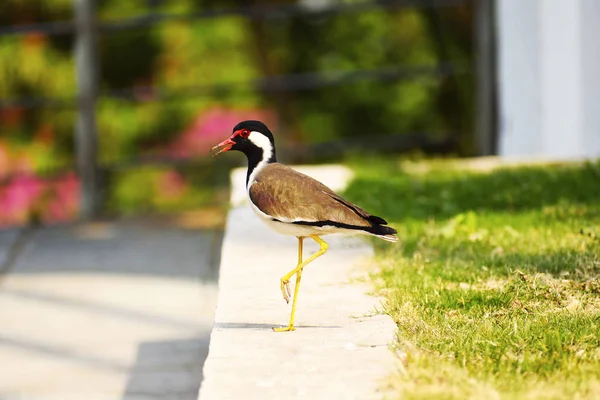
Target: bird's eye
[(245, 133)]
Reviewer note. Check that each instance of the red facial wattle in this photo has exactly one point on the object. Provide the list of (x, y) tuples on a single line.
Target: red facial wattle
[(226, 145)]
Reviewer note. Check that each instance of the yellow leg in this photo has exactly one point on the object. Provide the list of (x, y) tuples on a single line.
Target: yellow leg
[(285, 285), (298, 271)]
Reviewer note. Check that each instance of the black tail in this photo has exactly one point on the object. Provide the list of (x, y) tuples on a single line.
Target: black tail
[(381, 231), (376, 220)]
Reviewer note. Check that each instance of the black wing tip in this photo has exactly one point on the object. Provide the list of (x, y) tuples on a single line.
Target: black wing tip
[(381, 230), (386, 233), (377, 220)]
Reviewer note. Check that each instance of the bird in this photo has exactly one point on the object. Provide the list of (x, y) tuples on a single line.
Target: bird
[(295, 204)]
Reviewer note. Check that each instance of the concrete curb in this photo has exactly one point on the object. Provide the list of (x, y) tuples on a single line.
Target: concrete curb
[(338, 350)]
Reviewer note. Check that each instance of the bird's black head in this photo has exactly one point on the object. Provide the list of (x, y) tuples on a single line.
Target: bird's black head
[(255, 126), (252, 138)]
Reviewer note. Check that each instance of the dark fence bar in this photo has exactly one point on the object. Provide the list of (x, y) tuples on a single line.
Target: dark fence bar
[(86, 137), (485, 134)]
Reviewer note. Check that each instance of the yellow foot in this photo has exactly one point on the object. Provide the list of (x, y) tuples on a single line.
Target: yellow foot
[(285, 289), (288, 328)]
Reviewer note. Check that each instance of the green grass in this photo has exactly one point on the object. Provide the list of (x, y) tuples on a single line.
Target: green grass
[(495, 284)]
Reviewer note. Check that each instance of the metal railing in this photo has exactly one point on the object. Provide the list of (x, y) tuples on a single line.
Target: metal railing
[(86, 29)]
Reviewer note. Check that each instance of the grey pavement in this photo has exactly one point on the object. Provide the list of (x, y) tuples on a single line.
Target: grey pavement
[(339, 350), (106, 311)]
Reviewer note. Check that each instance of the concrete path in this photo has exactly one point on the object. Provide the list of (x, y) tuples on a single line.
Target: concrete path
[(338, 350), (108, 311)]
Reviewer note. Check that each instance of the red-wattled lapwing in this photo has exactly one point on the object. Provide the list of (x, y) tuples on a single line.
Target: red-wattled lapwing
[(295, 204)]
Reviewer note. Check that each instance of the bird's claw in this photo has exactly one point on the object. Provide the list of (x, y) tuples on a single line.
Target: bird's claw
[(288, 328), (285, 289)]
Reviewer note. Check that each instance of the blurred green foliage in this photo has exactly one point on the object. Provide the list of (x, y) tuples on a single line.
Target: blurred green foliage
[(185, 57)]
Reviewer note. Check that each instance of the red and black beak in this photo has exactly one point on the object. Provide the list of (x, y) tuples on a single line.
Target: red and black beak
[(222, 147)]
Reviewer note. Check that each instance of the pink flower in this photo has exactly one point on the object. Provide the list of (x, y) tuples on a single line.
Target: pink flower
[(4, 161), (27, 195), (19, 197), (63, 199)]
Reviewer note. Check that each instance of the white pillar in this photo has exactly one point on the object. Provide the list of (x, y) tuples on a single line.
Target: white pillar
[(548, 83), (591, 74)]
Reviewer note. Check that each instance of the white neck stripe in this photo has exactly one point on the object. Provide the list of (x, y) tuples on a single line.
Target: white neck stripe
[(264, 143)]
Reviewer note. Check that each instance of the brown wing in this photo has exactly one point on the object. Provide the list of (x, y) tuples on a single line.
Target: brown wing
[(290, 196)]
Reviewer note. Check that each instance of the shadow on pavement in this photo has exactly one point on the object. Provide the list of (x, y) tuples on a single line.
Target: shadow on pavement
[(61, 353), (168, 369), (98, 309)]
